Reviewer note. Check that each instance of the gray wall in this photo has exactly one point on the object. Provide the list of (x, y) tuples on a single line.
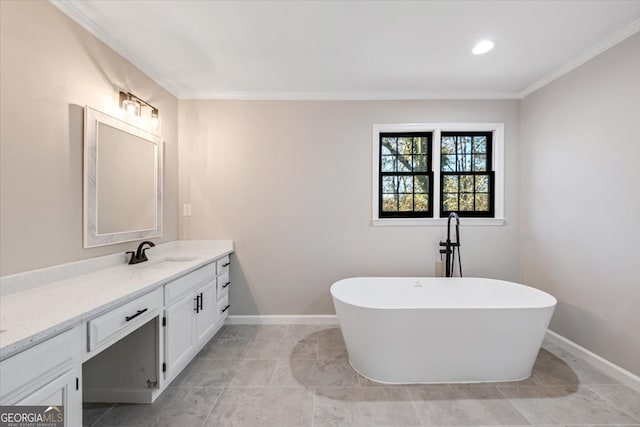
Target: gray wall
[(50, 68), (580, 198), (290, 183)]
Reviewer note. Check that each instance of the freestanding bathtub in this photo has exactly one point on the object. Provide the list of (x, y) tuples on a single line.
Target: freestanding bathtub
[(441, 330)]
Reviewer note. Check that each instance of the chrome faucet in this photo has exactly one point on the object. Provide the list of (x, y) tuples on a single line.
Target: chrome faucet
[(139, 255), (450, 247)]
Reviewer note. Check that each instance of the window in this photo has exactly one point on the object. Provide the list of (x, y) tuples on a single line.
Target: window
[(423, 172), (405, 175), (466, 184)]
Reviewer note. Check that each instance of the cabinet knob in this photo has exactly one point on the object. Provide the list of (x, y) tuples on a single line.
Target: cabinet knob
[(225, 285), (226, 308)]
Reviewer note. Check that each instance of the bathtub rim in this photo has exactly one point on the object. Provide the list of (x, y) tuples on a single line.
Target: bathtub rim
[(553, 300)]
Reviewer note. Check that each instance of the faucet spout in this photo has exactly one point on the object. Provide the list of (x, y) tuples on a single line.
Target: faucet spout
[(139, 255), (457, 218), (450, 247)]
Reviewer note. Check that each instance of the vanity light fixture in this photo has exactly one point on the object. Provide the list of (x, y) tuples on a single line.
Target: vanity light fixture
[(482, 47), (133, 106)]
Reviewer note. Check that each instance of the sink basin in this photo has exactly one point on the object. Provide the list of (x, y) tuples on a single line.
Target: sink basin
[(167, 262)]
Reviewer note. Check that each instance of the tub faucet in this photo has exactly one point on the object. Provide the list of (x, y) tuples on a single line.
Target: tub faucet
[(450, 247), (139, 255)]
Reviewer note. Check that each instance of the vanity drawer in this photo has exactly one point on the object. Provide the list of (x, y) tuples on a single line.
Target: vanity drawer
[(223, 285), (176, 290), (223, 265), (122, 320), (223, 308), (32, 369)]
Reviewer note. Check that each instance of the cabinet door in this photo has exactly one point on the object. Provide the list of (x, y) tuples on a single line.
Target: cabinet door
[(206, 317), (60, 392), (180, 336)]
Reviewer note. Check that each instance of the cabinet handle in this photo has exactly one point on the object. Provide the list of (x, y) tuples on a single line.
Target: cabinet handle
[(227, 264), (225, 285), (127, 318), (197, 300), (225, 309), (201, 298)]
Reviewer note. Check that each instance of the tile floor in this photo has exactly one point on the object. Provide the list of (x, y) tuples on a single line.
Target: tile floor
[(298, 375)]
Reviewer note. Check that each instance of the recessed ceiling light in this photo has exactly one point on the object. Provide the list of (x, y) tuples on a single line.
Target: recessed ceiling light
[(482, 47)]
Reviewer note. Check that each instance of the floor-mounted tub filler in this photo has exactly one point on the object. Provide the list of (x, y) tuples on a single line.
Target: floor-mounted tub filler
[(441, 330)]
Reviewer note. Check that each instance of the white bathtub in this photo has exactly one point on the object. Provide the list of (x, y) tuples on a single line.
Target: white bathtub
[(441, 330)]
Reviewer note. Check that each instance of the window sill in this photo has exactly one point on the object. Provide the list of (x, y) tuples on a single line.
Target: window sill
[(427, 222)]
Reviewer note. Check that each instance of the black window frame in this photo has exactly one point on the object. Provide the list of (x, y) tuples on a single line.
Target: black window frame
[(429, 173), (489, 171)]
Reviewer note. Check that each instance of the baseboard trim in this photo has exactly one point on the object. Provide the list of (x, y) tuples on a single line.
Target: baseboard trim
[(614, 371), (315, 319)]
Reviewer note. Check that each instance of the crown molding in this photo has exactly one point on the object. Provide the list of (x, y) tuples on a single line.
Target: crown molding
[(350, 96), (585, 56), (71, 10)]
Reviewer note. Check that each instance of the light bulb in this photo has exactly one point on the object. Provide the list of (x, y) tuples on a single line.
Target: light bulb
[(155, 121), (131, 107)]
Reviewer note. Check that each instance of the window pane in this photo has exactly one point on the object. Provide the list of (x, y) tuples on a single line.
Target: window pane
[(448, 145), (450, 183), (421, 184), (388, 163), (466, 155), (420, 145), (420, 163), (480, 162), (421, 202), (405, 145), (390, 203), (479, 144), (482, 183), (466, 183), (404, 163), (406, 202), (448, 163), (405, 184), (464, 163), (450, 201), (389, 146), (464, 145), (389, 184), (466, 202), (482, 202)]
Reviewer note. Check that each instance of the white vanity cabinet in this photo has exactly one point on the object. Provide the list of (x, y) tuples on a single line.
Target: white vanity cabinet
[(48, 373), (121, 333), (191, 316)]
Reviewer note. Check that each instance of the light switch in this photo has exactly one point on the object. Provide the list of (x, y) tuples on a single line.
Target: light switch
[(186, 209)]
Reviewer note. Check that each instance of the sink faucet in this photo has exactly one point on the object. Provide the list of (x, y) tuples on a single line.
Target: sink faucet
[(139, 255), (450, 247)]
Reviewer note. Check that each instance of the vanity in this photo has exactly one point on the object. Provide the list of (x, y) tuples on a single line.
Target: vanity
[(101, 330)]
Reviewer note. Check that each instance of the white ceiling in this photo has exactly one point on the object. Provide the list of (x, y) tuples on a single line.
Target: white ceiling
[(355, 49)]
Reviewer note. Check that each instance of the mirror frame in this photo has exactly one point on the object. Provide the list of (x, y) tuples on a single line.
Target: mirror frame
[(92, 119)]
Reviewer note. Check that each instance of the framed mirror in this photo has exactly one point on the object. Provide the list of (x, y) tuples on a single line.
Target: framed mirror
[(122, 181)]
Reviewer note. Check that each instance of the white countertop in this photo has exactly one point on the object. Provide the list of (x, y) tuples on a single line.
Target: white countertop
[(39, 304)]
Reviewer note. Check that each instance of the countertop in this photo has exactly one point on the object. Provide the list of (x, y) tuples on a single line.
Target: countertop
[(39, 304)]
